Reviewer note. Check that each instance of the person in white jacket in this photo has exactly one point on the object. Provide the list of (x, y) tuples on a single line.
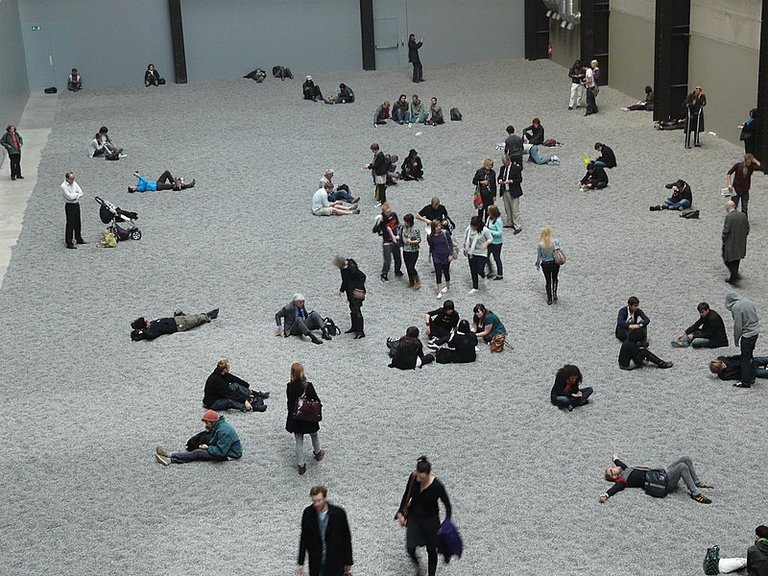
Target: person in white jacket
[(72, 193)]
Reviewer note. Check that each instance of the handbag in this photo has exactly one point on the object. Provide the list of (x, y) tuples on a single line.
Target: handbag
[(477, 200), (559, 257), (712, 560), (358, 293), (380, 179), (308, 409), (498, 342)]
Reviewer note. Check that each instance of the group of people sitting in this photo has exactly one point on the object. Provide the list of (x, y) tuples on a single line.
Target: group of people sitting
[(311, 91), (333, 199), (404, 112), (102, 147)]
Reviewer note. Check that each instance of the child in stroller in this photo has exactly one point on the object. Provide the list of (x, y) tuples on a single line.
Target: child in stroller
[(111, 214)]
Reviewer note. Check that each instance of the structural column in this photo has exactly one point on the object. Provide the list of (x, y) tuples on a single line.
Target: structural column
[(762, 90), (670, 71), (366, 35), (177, 40)]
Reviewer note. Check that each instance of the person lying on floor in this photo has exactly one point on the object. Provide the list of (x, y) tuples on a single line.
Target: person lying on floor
[(729, 367), (535, 155), (407, 352), (150, 329), (165, 182), (224, 390)]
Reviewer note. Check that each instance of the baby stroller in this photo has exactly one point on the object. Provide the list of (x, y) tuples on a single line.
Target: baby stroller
[(112, 215)]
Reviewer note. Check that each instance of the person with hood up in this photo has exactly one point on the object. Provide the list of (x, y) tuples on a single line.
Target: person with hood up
[(746, 328)]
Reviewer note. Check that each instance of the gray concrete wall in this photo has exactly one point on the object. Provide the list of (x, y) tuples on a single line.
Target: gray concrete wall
[(723, 59), (631, 38), (14, 88), (566, 44)]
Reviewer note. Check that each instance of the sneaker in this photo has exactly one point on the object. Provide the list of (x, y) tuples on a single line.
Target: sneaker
[(162, 459), (378, 204), (517, 230), (499, 278), (474, 290), (398, 274), (320, 455), (742, 385), (432, 346), (384, 278), (160, 450), (701, 499), (439, 295), (444, 289), (678, 344), (302, 470)]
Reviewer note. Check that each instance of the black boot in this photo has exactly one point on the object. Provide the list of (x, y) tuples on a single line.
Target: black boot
[(549, 296), (314, 338), (360, 329), (352, 324), (554, 290), (653, 359), (324, 333)]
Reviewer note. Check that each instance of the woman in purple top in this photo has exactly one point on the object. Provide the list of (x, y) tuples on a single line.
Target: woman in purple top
[(441, 248)]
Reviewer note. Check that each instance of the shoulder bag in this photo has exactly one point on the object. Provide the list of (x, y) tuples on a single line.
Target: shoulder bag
[(559, 256), (656, 482), (307, 409)]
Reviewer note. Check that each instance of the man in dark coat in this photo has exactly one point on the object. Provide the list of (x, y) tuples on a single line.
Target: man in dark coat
[(607, 158), (294, 320), (325, 536), (413, 57), (735, 232), (707, 332), (729, 367)]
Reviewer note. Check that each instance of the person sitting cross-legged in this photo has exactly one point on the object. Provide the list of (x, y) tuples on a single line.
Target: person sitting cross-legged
[(566, 392), (218, 442), (322, 206), (224, 390), (461, 347), (707, 332), (294, 320), (407, 352), (440, 324)]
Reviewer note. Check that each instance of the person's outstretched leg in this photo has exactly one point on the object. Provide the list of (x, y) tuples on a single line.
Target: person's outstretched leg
[(682, 468), (432, 561), (731, 564), (555, 272), (184, 457)]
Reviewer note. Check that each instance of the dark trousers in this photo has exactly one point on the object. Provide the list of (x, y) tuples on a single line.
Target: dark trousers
[(494, 250), (550, 270), (72, 230), (591, 101), (356, 313), (15, 161), (747, 346), (565, 401), (733, 268), (166, 181), (477, 269), (442, 270), (743, 196), (380, 193), (692, 127), (391, 251), (418, 71), (410, 264)]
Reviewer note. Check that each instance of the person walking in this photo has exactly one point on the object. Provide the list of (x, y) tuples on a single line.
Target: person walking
[(353, 285), (325, 537), (441, 248), (420, 514), (410, 237), (510, 180), (12, 142), (545, 259), (297, 390), (413, 57), (746, 329), (739, 180), (387, 225), (477, 238), (495, 225), (735, 232), (72, 194), (694, 120)]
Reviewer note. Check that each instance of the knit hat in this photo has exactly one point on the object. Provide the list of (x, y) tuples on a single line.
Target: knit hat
[(210, 416)]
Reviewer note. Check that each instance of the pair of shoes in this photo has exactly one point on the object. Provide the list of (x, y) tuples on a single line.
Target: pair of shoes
[(666, 365), (314, 339), (742, 385), (319, 455), (570, 107), (378, 204), (398, 273), (262, 395), (474, 290), (554, 297), (82, 242), (491, 276), (384, 278), (359, 335), (499, 278), (71, 246), (302, 470), (701, 499)]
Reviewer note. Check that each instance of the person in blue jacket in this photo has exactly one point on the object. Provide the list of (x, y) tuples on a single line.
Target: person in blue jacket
[(165, 182), (632, 323), (219, 442)]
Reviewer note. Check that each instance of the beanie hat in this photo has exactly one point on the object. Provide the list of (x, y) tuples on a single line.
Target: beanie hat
[(210, 416)]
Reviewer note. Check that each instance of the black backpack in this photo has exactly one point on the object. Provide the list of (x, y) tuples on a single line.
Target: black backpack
[(455, 115), (656, 483), (330, 325), (712, 561)]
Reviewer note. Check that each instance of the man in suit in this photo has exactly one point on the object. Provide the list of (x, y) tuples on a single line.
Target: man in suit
[(735, 232), (632, 323), (325, 536), (413, 57), (510, 177), (294, 320)]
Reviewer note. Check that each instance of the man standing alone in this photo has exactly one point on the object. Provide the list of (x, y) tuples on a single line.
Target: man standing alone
[(510, 178), (72, 194), (746, 328), (735, 232), (413, 57), (325, 536)]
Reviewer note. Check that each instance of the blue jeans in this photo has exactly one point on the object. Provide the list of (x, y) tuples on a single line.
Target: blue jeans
[(744, 197), (565, 401), (184, 457), (672, 205), (747, 346), (340, 194), (696, 342), (402, 116), (761, 366), (227, 403)]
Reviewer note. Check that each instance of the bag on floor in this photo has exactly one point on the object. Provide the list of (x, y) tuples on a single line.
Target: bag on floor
[(51, 90), (712, 561), (331, 327), (656, 483), (497, 342), (456, 115)]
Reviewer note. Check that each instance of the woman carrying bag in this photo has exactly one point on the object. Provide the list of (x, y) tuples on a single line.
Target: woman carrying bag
[(303, 421)]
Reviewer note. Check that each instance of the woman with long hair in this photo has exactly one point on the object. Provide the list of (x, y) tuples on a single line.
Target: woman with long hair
[(545, 259), (410, 237), (486, 324), (477, 238), (461, 346), (485, 186), (353, 285), (441, 247), (297, 389), (420, 514), (495, 226)]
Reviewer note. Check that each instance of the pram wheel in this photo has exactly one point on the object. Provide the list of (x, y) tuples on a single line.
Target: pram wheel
[(136, 234)]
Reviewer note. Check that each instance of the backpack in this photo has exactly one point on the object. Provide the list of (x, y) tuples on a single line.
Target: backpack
[(282, 72), (656, 483), (330, 325), (51, 90), (455, 115), (712, 561)]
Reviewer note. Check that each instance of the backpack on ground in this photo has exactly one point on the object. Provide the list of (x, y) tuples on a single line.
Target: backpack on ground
[(282, 72), (656, 483), (51, 90), (712, 561), (456, 115), (331, 327)]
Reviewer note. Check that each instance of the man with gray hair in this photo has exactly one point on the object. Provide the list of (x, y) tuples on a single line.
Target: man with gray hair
[(340, 191), (322, 206), (735, 232), (294, 320)]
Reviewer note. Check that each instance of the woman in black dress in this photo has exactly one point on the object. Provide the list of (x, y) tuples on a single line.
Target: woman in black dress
[(419, 512), (296, 388), (353, 284)]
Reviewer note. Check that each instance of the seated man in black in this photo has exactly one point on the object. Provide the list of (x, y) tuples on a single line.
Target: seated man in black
[(594, 179), (310, 90), (149, 330), (462, 346), (407, 352), (565, 392), (440, 324), (224, 390), (639, 356), (707, 332), (412, 168), (294, 320), (345, 96), (632, 323), (607, 158), (729, 367)]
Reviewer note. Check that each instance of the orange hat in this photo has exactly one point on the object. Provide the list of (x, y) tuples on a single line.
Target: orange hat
[(210, 416)]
